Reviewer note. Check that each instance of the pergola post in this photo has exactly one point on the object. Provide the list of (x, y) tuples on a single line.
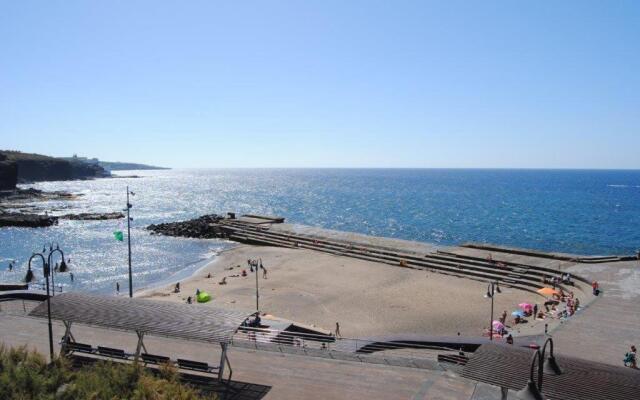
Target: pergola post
[(67, 335), (223, 361), (140, 345)]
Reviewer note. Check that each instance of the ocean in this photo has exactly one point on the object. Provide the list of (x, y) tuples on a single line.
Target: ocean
[(571, 211)]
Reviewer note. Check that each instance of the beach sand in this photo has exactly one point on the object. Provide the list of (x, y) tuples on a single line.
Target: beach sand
[(366, 298)]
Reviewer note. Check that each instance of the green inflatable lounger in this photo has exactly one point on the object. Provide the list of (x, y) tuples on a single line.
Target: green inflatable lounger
[(203, 297)]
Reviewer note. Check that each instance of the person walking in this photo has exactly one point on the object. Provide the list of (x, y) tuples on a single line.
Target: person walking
[(71, 276), (338, 334), (118, 288), (630, 359), (535, 311), (10, 266), (264, 270)]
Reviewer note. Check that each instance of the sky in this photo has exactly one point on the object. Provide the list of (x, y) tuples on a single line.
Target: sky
[(387, 84)]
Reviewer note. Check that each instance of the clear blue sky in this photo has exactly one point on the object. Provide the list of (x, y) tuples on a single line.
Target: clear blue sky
[(324, 84)]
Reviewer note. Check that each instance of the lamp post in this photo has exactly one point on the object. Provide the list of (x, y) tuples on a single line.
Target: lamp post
[(62, 268), (533, 390), (129, 205), (492, 289), (28, 278), (257, 292)]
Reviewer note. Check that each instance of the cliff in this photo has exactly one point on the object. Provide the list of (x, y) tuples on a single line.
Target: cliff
[(8, 173), (124, 166), (37, 167)]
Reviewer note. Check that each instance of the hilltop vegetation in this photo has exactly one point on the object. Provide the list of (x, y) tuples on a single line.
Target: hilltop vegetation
[(26, 375)]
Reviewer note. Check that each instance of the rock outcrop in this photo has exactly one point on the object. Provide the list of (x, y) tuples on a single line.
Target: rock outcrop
[(93, 216), (27, 220), (8, 173), (194, 228)]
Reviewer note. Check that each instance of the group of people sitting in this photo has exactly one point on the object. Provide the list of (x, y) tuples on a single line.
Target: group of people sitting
[(555, 281)]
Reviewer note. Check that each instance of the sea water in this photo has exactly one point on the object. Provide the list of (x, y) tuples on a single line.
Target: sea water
[(571, 211)]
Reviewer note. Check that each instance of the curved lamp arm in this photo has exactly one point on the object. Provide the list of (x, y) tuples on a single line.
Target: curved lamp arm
[(63, 264), (45, 268)]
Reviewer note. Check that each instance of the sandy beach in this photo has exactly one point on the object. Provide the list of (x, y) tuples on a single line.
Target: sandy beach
[(366, 298)]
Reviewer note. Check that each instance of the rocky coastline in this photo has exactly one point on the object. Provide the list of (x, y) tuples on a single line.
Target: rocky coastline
[(17, 210), (194, 228)]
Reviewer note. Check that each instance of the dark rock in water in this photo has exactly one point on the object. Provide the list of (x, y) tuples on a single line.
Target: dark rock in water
[(194, 228), (27, 220), (93, 216)]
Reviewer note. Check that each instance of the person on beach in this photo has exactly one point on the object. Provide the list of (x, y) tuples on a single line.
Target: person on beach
[(509, 339), (177, 288), (117, 287), (338, 335), (630, 359), (503, 318), (244, 272), (197, 292), (71, 276), (223, 281), (189, 300), (595, 287), (535, 310), (10, 266)]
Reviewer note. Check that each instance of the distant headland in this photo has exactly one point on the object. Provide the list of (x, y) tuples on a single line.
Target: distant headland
[(113, 165), (18, 167)]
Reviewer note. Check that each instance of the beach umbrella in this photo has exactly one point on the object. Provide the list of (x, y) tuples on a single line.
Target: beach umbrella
[(498, 326), (547, 291), (525, 306), (203, 297), (517, 313)]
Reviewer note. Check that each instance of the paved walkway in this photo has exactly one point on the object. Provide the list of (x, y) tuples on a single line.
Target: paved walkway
[(611, 323), (286, 376)]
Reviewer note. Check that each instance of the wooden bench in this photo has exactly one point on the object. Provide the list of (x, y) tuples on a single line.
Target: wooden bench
[(111, 352), (195, 366), (75, 347), (154, 359)]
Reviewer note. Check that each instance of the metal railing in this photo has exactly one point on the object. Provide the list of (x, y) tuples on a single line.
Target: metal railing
[(286, 341)]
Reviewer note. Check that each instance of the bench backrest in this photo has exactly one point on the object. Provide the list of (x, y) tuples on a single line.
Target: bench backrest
[(194, 365), (111, 352), (80, 347), (154, 359)]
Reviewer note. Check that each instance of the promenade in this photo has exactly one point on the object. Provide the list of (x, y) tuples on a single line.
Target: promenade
[(271, 375)]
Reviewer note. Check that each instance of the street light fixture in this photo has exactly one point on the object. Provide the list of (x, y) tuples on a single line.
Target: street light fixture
[(28, 278), (492, 289), (62, 268), (129, 219), (549, 366)]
